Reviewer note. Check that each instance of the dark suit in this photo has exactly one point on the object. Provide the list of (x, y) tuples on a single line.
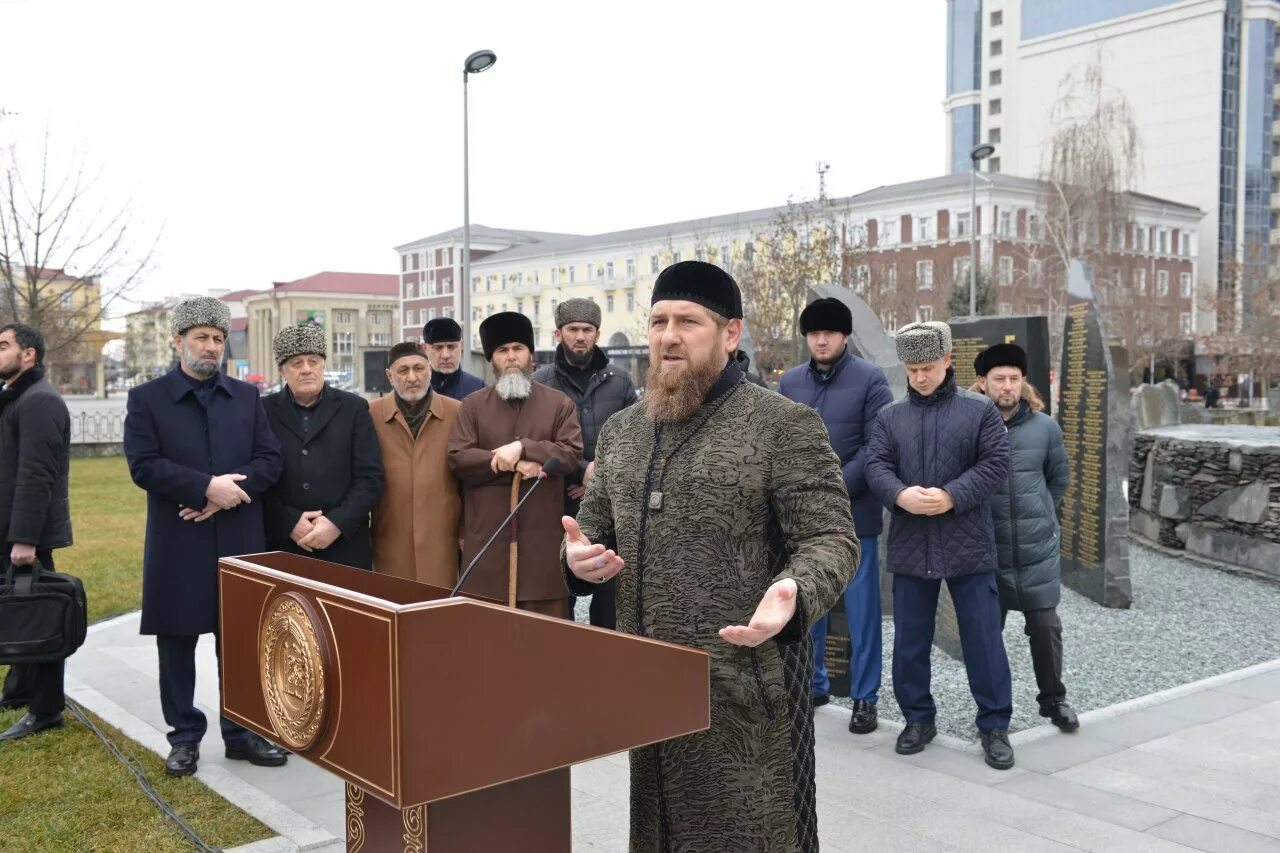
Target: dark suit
[(177, 436), (332, 463)]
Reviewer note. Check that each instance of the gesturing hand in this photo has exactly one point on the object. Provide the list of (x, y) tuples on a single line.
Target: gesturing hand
[(592, 563), (323, 534), (773, 613), (506, 457), (224, 493)]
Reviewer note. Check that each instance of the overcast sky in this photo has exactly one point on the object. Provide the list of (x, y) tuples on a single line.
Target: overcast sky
[(273, 140)]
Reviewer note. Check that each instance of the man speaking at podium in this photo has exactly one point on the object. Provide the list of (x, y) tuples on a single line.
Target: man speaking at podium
[(720, 508)]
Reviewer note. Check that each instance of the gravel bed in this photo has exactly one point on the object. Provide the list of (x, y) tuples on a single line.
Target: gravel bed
[(1187, 622)]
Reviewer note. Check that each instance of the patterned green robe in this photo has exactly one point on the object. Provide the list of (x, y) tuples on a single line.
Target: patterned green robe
[(754, 495)]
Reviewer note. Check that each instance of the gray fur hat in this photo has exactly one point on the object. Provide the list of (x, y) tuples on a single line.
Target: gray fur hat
[(918, 343), (577, 311), (200, 311), (307, 339)]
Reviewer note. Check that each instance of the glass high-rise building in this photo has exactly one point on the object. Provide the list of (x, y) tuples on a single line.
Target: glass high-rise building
[(1199, 75)]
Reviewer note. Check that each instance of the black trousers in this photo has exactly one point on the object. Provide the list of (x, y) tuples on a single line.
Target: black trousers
[(1044, 632), (178, 692), (602, 610), (38, 686)]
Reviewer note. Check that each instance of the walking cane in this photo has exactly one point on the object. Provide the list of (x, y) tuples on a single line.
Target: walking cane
[(513, 572)]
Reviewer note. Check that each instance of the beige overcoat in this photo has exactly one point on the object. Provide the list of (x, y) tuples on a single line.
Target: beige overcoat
[(417, 523)]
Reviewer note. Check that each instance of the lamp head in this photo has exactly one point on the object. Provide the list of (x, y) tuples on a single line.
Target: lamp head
[(481, 60), (982, 152)]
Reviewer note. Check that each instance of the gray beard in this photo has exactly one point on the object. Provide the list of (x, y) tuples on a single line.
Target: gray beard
[(514, 385), (199, 367)]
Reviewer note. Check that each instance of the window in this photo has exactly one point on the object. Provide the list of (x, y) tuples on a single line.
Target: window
[(924, 229), (749, 252), (608, 270), (993, 136), (631, 267), (555, 274), (537, 277), (631, 302), (413, 261), (675, 257), (997, 18), (519, 306), (924, 275), (699, 253), (344, 343), (608, 303), (1140, 280), (411, 290), (554, 303), (653, 264), (1184, 322), (888, 231), (997, 47), (726, 259), (1184, 285), (962, 225), (379, 339), (408, 316), (447, 312), (1162, 237), (446, 286), (342, 318), (993, 165), (890, 321), (995, 77), (1035, 272), (537, 309), (889, 278), (861, 278), (993, 107), (1006, 271), (1162, 283), (1116, 278), (1186, 244), (572, 269), (1004, 309), (924, 314), (1142, 239), (1035, 229), (404, 263), (378, 318), (1004, 228), (591, 269), (430, 314)]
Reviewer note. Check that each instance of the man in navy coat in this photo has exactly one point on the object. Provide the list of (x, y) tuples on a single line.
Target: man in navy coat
[(200, 445), (848, 392)]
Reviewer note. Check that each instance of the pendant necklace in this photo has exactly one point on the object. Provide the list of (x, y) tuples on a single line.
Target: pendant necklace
[(657, 498)]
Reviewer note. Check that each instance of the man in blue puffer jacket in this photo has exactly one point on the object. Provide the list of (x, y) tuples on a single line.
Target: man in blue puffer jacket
[(1025, 509), (847, 391), (935, 459)]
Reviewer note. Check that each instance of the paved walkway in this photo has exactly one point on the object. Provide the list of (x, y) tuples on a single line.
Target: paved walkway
[(1194, 768)]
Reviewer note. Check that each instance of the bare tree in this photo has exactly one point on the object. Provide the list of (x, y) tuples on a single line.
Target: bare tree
[(67, 254), (1245, 341)]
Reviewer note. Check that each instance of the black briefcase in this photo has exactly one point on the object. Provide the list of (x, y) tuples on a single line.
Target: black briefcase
[(43, 615)]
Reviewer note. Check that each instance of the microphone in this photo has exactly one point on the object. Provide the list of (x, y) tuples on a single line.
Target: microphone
[(549, 468)]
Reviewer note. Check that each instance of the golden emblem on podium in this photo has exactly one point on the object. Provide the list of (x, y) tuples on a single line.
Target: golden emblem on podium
[(293, 671)]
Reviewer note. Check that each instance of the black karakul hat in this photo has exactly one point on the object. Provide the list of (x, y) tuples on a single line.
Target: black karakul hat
[(402, 349), (1000, 355), (827, 314), (505, 327), (441, 330), (700, 282)]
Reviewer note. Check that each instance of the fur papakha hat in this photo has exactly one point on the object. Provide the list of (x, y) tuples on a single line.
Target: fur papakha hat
[(200, 311), (441, 330), (307, 339), (577, 311), (826, 315), (1000, 355), (918, 343), (505, 327)]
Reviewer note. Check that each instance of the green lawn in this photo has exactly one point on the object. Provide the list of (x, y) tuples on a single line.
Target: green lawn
[(64, 790)]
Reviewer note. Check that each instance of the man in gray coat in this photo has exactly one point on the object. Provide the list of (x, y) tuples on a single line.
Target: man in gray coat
[(582, 372), (1025, 511)]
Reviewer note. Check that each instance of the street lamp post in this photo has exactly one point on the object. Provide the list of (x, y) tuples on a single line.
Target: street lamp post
[(979, 152), (481, 60)]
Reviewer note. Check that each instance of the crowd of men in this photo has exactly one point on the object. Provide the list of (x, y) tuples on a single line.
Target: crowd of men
[(713, 513)]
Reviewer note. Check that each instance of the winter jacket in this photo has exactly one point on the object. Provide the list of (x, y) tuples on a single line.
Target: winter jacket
[(1025, 509), (35, 450), (848, 397), (456, 385), (951, 439), (608, 389)]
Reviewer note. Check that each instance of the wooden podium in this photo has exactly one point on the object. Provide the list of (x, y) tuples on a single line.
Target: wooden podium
[(453, 720)]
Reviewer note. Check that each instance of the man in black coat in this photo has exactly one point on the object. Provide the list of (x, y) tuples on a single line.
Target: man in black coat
[(35, 518), (442, 342), (332, 475), (198, 442), (582, 372), (1025, 509), (935, 459)]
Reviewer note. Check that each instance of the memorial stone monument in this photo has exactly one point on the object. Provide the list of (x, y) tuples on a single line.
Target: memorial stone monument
[(1093, 413), (971, 336)]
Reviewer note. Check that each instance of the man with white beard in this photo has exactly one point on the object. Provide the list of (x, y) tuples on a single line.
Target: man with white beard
[(508, 431)]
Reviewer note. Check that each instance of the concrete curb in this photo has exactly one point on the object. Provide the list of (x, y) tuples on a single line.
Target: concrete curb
[(295, 831)]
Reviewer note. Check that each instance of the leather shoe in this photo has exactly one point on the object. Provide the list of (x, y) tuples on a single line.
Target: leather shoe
[(914, 738), (864, 719), (257, 750), (1062, 715), (819, 701), (29, 725), (996, 749), (182, 759)]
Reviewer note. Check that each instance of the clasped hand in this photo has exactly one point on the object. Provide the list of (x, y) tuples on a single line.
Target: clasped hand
[(919, 500)]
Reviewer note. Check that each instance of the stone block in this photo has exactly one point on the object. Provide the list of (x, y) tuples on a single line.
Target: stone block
[(1235, 461), (1248, 552), (1175, 501), (1154, 406), (1245, 504), (1145, 525)]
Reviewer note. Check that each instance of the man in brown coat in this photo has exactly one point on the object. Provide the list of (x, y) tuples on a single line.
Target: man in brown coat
[(416, 524), (502, 438)]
